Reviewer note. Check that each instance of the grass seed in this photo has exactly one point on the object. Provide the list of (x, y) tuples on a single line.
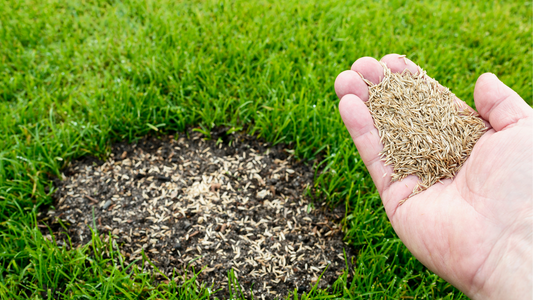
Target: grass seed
[(201, 206), (425, 130)]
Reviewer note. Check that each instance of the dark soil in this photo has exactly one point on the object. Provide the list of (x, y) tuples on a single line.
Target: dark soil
[(227, 203)]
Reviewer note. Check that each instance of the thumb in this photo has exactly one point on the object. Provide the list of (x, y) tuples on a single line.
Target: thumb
[(499, 104)]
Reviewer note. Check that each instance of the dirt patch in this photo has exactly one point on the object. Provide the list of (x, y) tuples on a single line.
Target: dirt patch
[(227, 203)]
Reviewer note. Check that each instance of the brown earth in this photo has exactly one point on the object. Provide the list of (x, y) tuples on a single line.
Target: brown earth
[(216, 205)]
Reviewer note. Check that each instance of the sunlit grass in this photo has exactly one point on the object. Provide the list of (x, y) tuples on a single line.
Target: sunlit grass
[(77, 75)]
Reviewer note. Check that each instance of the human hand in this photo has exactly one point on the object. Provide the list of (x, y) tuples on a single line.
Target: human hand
[(475, 231)]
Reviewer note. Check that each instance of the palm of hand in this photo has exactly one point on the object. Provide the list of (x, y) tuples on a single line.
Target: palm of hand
[(471, 229)]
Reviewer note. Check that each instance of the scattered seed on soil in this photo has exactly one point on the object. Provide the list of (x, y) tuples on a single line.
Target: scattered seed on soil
[(425, 130), (205, 204)]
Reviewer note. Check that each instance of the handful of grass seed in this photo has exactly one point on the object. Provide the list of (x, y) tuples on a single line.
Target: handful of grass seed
[(424, 130)]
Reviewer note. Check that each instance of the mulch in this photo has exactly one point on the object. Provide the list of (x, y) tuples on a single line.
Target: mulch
[(229, 203)]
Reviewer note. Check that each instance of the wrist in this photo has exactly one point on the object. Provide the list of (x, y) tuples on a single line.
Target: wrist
[(508, 271)]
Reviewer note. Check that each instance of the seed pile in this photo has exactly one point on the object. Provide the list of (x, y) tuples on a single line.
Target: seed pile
[(190, 202), (424, 131)]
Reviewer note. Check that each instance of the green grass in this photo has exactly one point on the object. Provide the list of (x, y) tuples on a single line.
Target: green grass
[(77, 75)]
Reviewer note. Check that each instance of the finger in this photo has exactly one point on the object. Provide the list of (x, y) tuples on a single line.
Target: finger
[(359, 122), (349, 82), (499, 104), (360, 125), (398, 63), (369, 68)]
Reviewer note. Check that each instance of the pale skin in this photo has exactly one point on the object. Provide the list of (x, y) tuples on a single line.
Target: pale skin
[(475, 231)]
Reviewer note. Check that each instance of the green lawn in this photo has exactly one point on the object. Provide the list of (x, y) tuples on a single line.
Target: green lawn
[(77, 75)]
